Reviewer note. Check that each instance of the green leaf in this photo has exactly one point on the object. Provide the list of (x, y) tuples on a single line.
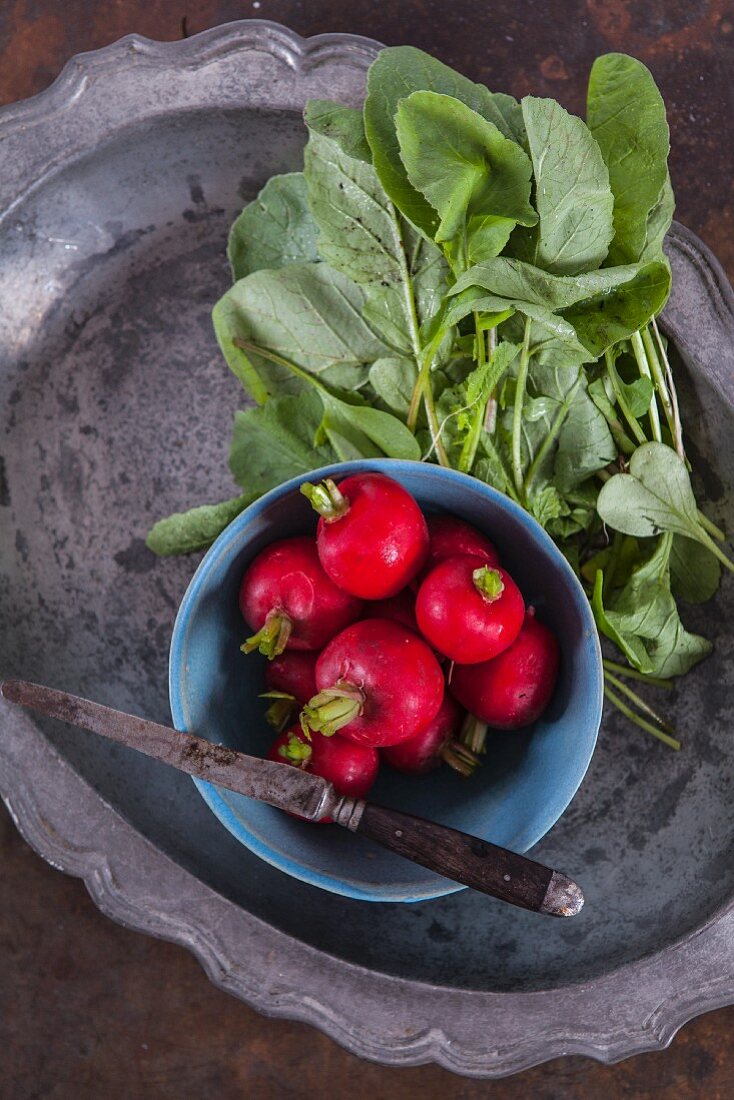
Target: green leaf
[(490, 465), (369, 432), (605, 319), (604, 402), (572, 192), (655, 496), (547, 505), (553, 342), (643, 619), (276, 441), (638, 395), (658, 224), (359, 233), (309, 314), (476, 179), (393, 380), (694, 571), (275, 229), (393, 76), (590, 311), (630, 645), (362, 235), (585, 444), (483, 379), (516, 280), (344, 125), (186, 532), (626, 115)]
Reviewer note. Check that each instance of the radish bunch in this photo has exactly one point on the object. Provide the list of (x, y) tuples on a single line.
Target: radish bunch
[(391, 636)]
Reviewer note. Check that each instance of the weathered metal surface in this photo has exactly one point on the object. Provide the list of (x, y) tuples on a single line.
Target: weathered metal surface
[(116, 409)]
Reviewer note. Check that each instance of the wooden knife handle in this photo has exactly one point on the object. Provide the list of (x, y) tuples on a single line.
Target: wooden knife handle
[(473, 862)]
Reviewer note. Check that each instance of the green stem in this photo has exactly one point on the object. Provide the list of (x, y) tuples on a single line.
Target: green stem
[(282, 711), (273, 357), (678, 427), (473, 734), (613, 564), (551, 436), (471, 442), (332, 709), (422, 391), (633, 674), (662, 386), (716, 551), (616, 381), (710, 526), (433, 425), (272, 637), (460, 758), (522, 380), (411, 310), (639, 702), (641, 722), (639, 349), (326, 499)]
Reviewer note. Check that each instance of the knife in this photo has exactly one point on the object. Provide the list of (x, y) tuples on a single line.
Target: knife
[(455, 855)]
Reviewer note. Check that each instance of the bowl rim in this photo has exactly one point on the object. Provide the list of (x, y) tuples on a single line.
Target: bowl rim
[(226, 543)]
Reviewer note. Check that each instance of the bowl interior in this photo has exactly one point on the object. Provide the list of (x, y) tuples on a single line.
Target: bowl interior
[(528, 777)]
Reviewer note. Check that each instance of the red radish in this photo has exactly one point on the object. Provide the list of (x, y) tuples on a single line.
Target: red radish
[(379, 684), (513, 689), (372, 537), (287, 598), (400, 608), (434, 745), (294, 673), (351, 768), (468, 610), (449, 536), (290, 679)]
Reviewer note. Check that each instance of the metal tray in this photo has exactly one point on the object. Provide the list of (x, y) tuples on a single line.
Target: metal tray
[(116, 191)]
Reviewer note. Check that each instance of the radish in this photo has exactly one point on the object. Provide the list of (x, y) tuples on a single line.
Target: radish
[(434, 745), (372, 537), (400, 608), (352, 769), (294, 673), (449, 536), (290, 679), (513, 689), (287, 598), (379, 684), (468, 610)]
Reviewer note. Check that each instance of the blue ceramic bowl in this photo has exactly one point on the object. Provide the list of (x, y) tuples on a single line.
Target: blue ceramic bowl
[(528, 778)]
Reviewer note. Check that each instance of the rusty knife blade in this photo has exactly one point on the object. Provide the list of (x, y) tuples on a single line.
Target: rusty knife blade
[(280, 785)]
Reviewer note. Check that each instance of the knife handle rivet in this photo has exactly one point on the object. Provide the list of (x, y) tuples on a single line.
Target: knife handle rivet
[(398, 832), (507, 878)]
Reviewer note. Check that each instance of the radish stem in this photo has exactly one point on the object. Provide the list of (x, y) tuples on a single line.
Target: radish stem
[(633, 674), (648, 726), (522, 379)]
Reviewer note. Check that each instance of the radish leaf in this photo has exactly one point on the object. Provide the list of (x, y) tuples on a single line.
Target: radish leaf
[(275, 229), (626, 115)]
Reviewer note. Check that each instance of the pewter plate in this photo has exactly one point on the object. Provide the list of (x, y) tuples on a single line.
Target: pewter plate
[(116, 191)]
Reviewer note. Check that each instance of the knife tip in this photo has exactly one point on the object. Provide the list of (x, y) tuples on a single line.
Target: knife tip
[(563, 898)]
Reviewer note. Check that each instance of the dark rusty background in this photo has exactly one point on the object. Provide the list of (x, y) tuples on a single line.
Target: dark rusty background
[(88, 1009)]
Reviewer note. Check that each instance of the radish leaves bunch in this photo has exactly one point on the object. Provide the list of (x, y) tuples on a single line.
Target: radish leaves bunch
[(462, 278)]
